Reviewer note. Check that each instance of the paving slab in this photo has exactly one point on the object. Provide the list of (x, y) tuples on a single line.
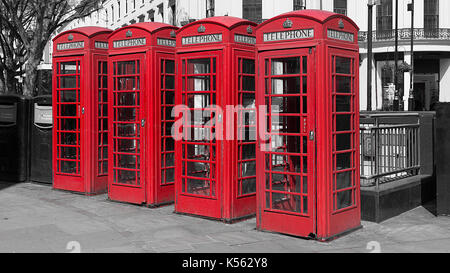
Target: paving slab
[(36, 218)]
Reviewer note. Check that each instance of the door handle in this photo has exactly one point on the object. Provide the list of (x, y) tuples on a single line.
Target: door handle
[(142, 123), (312, 135)]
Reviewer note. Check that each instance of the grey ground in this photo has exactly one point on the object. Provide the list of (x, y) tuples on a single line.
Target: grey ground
[(36, 218)]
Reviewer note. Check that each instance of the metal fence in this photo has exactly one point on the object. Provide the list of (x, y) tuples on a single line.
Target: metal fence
[(388, 151)]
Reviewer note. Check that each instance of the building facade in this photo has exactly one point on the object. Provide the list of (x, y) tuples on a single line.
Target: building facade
[(431, 34)]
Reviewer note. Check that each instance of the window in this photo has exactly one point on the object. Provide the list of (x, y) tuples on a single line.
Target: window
[(134, 4), (210, 8), (173, 10), (112, 13), (126, 7), (299, 4), (151, 15), (118, 8), (252, 10), (161, 11), (384, 19), (431, 18), (340, 6)]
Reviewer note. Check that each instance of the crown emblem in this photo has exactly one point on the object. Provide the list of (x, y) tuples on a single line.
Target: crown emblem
[(287, 24), (201, 29), (129, 33), (249, 30), (341, 24), (173, 34), (70, 38)]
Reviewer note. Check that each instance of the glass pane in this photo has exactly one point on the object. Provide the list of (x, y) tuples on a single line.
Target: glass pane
[(126, 114), (69, 167), (286, 86), (127, 145), (125, 99), (248, 83), (343, 123), (199, 83), (127, 83), (170, 67), (286, 163), (343, 161), (343, 65), (68, 81), (343, 104), (343, 142), (248, 152), (68, 96), (286, 105), (286, 202), (126, 68), (248, 169), (170, 175), (200, 187), (198, 152), (68, 110), (343, 84), (343, 180), (248, 66), (286, 66), (198, 101), (285, 124), (70, 68), (127, 130), (170, 82), (126, 177), (249, 186), (248, 100), (199, 66), (344, 199), (286, 144)]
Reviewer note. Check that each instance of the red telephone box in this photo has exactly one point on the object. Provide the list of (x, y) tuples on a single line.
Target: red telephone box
[(142, 94), (308, 156), (80, 135), (216, 176)]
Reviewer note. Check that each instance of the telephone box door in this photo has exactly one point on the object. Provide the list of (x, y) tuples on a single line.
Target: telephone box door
[(345, 185), (287, 144), (127, 122), (69, 115), (200, 153), (166, 82)]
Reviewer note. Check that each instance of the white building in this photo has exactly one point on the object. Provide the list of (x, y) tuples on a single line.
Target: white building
[(432, 36)]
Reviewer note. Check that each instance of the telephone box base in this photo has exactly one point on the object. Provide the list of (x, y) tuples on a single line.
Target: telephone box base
[(224, 220)]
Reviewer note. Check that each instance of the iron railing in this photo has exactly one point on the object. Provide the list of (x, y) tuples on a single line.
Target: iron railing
[(405, 34), (389, 152)]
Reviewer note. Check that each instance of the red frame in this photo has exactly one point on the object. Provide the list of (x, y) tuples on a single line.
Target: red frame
[(221, 200), (151, 190), (79, 46), (323, 220)]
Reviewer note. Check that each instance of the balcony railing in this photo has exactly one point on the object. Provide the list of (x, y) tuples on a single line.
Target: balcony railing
[(405, 34), (389, 152)]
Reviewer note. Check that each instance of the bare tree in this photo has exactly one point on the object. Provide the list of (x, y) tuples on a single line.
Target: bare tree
[(26, 27)]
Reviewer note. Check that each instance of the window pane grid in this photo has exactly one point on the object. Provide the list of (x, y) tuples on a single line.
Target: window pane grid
[(126, 123), (67, 119), (286, 163), (199, 78), (344, 128)]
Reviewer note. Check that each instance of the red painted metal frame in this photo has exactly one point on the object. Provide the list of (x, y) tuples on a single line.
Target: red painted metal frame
[(80, 46), (214, 191), (149, 143), (324, 219)]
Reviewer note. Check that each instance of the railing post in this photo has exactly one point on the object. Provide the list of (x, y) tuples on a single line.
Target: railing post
[(377, 146)]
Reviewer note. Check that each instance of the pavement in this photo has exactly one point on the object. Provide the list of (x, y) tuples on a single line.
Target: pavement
[(36, 218)]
